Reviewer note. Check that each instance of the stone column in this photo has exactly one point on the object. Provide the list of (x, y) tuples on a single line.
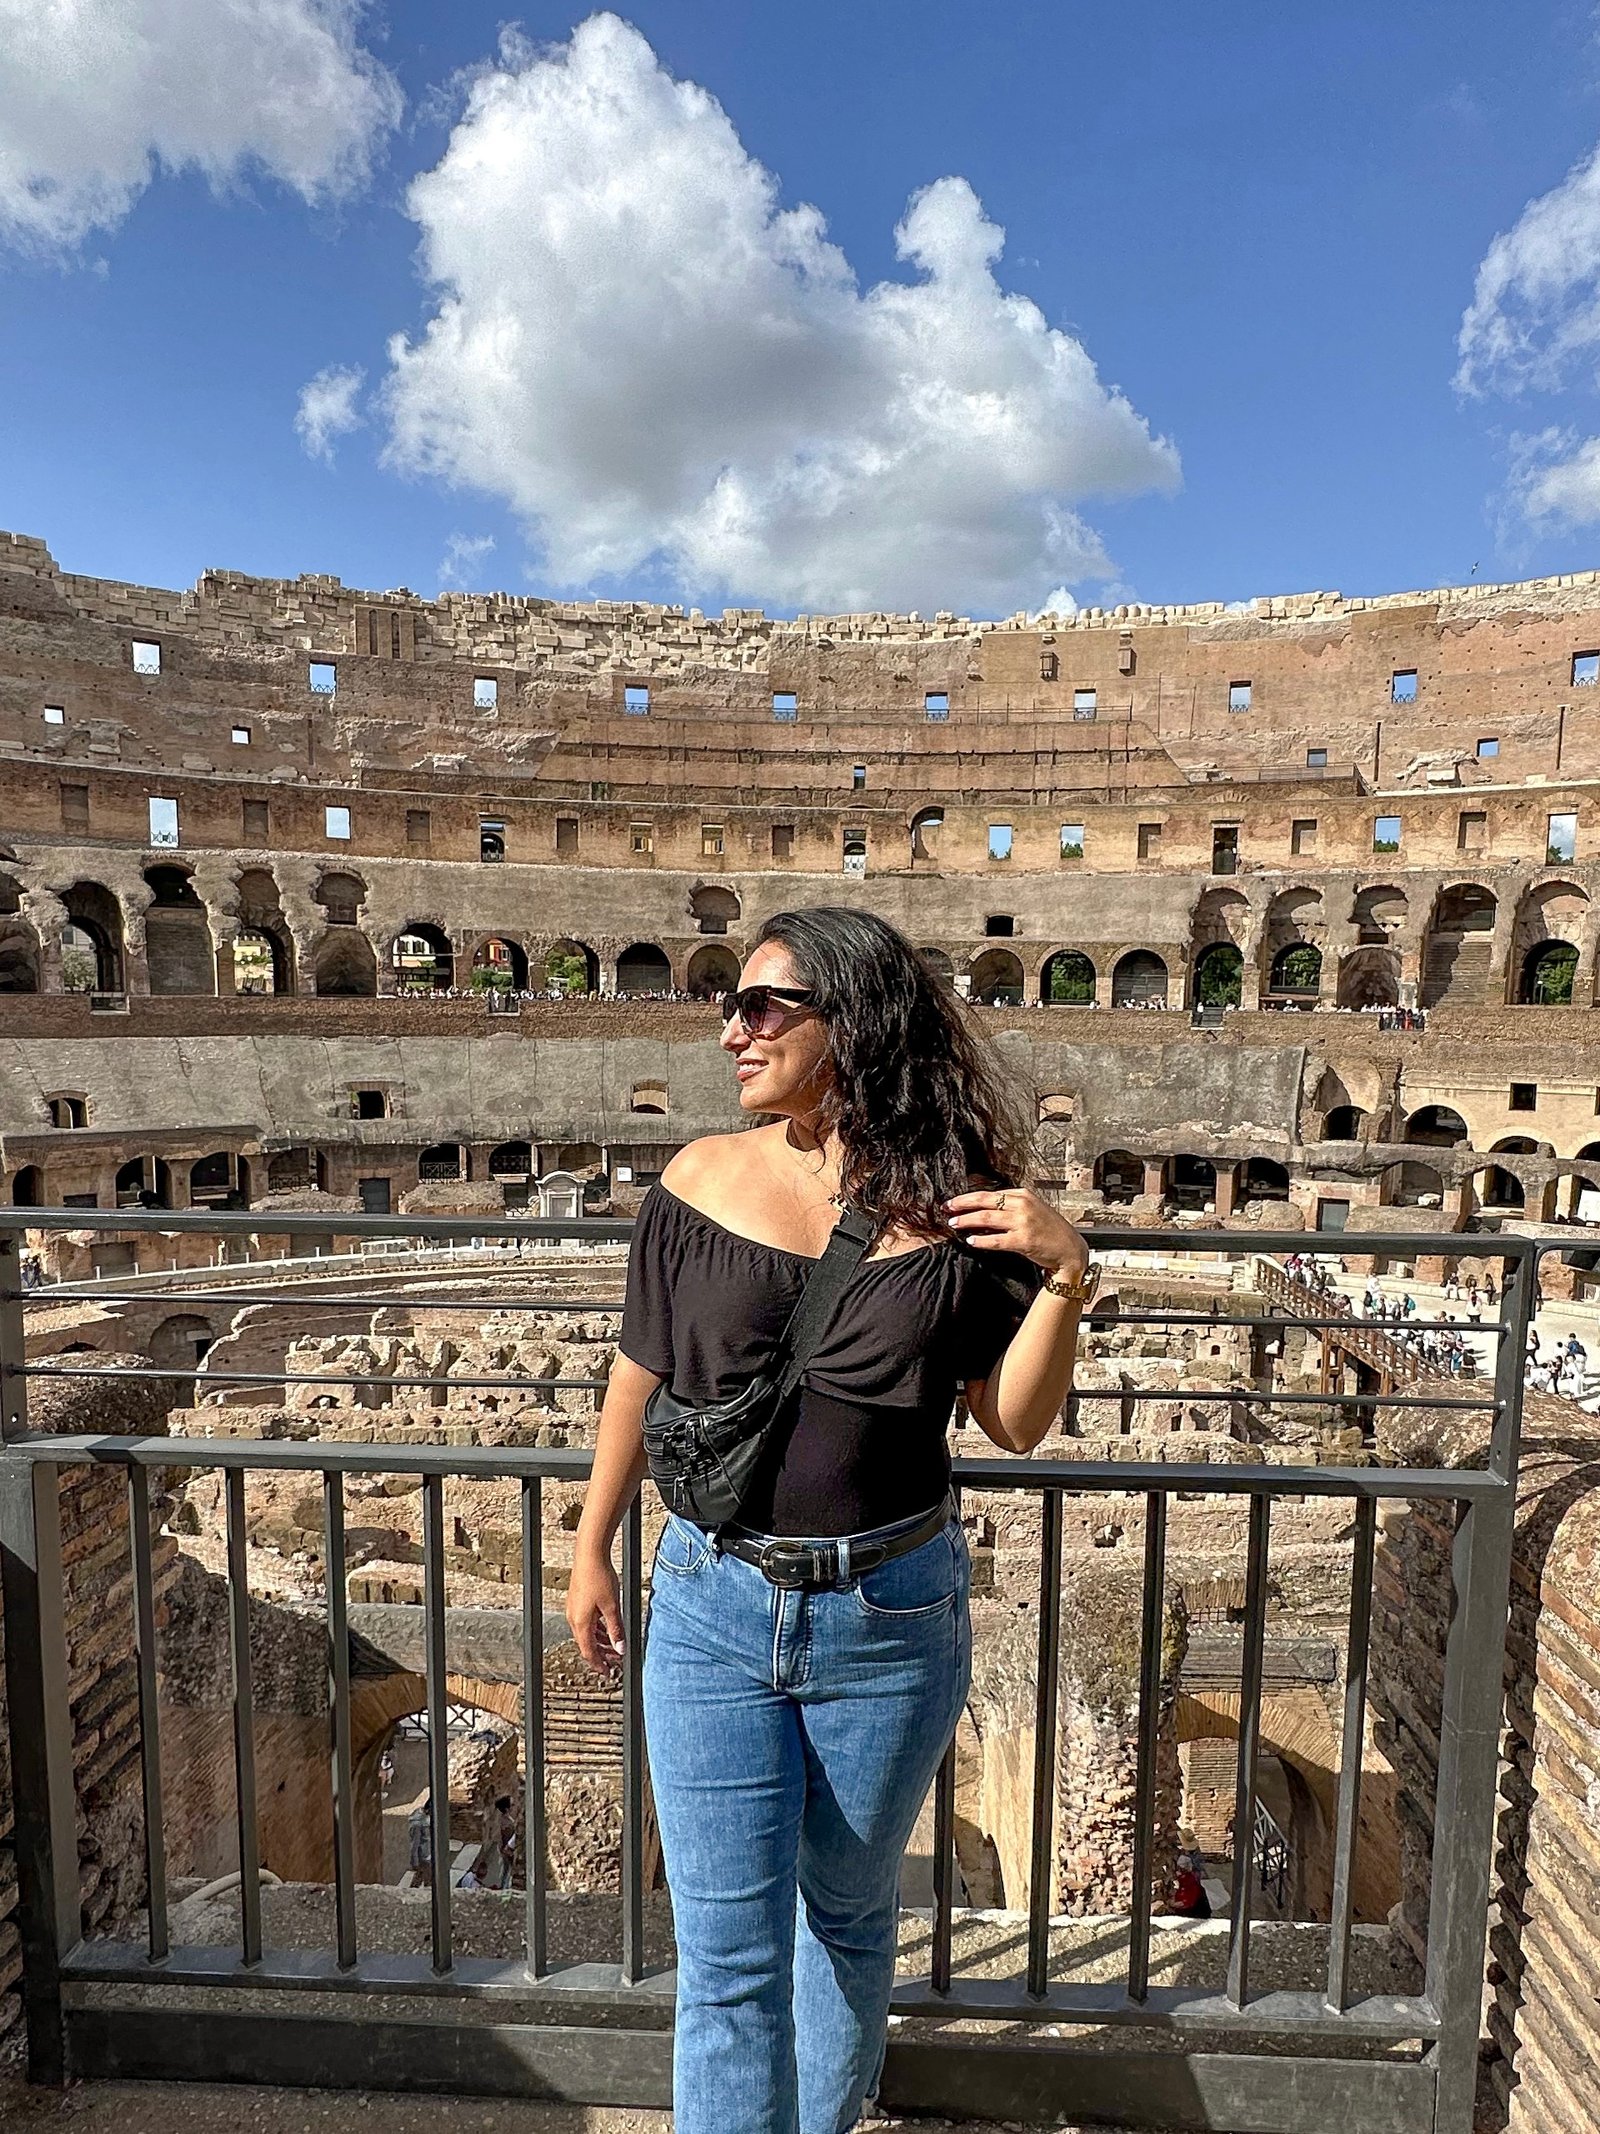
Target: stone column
[(1155, 1175), (1227, 1187), (135, 961)]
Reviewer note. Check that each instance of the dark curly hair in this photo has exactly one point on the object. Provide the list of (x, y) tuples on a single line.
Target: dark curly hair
[(921, 1100)]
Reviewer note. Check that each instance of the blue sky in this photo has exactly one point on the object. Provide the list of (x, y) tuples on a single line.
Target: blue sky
[(1262, 225)]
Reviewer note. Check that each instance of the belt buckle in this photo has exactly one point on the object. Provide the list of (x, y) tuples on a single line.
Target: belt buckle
[(792, 1576)]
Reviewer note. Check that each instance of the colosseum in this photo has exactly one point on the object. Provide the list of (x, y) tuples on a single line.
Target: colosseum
[(320, 904)]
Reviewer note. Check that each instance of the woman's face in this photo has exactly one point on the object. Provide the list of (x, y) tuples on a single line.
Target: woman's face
[(788, 1072)]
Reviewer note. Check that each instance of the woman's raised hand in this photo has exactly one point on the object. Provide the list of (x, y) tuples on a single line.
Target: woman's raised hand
[(1018, 1219)]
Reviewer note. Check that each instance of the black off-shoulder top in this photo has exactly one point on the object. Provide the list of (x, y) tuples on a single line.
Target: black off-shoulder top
[(865, 1442)]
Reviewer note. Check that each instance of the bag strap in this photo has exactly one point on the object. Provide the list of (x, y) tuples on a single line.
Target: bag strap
[(809, 1321)]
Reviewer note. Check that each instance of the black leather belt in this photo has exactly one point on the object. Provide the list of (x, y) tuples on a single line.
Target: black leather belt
[(785, 1561)]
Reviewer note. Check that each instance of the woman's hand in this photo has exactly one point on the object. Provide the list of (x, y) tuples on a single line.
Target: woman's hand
[(594, 1611), (1018, 1219)]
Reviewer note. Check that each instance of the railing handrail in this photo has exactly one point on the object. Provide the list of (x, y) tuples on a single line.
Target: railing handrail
[(1435, 2091), (612, 1229)]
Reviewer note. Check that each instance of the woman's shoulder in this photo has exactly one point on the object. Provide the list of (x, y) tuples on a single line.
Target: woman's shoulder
[(709, 1165)]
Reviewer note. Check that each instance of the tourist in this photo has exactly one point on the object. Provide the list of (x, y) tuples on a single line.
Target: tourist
[(493, 1863), (419, 1833), (1186, 1895), (813, 1656)]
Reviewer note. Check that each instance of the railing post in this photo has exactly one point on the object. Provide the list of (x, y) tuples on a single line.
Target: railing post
[(43, 1806), (1470, 1728)]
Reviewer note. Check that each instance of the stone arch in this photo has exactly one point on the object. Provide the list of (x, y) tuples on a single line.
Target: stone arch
[(262, 962), (939, 964), (1344, 1123), (1216, 977), (292, 1170), (97, 915), (512, 1159), (1294, 975), (997, 979), (343, 965), (643, 968), (144, 1182), (27, 1187), (422, 958), (1297, 1728), (925, 827), (499, 964), (1411, 1185), (1378, 913), (1068, 979), (179, 1343), (1547, 973), (1119, 1176), (562, 962), (1457, 945), (1494, 1188), (341, 894), (714, 908), (179, 953), (1436, 1126), (712, 971), (1369, 978), (1139, 980), (443, 1161), (220, 1180), (1262, 1179), (1294, 921), (1192, 1183), (648, 1097)]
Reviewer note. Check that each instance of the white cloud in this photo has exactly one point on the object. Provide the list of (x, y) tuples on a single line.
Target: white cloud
[(328, 408), (462, 555), (1555, 480), (1060, 602), (95, 95), (660, 368), (1535, 308)]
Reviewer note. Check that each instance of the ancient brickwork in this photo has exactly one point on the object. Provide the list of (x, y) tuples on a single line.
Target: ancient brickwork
[(102, 1681)]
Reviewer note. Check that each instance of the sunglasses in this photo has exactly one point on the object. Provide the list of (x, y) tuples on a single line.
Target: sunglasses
[(763, 1009)]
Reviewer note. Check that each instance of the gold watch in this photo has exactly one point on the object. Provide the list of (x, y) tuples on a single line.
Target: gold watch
[(1081, 1290)]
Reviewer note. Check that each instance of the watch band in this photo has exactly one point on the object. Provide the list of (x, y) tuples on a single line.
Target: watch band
[(1080, 1291)]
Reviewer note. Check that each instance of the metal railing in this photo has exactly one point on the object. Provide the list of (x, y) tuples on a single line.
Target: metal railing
[(1284, 2061)]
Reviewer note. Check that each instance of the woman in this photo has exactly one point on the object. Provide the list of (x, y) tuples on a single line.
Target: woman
[(793, 1729)]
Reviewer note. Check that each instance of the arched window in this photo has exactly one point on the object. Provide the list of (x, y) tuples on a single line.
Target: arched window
[(1548, 970), (714, 909), (997, 979), (1296, 971), (649, 1097), (644, 968), (445, 1162), (1069, 979), (422, 958), (1219, 976), (1343, 1123), (1436, 1126), (1139, 981)]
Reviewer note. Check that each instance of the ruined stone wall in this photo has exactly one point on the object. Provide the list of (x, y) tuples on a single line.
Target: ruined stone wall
[(102, 1679), (1542, 2037)]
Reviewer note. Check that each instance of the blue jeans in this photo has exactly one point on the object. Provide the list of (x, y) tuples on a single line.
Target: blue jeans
[(792, 1739)]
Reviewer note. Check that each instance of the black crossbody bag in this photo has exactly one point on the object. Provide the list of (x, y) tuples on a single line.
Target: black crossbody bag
[(703, 1458)]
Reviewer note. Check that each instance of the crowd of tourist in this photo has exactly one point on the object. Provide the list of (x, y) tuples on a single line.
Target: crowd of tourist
[(1562, 1368)]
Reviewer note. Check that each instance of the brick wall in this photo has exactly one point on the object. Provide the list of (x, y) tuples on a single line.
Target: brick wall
[(100, 1658), (1541, 2040)]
